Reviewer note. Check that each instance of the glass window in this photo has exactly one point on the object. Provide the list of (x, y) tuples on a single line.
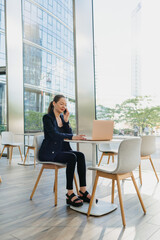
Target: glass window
[(49, 20), (58, 44), (27, 6), (49, 58), (50, 2), (127, 65), (3, 104), (66, 31), (49, 39), (46, 57), (65, 48), (40, 13), (3, 95), (33, 111), (59, 9), (58, 25)]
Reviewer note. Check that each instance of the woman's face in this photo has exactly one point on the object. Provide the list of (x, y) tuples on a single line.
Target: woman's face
[(60, 106)]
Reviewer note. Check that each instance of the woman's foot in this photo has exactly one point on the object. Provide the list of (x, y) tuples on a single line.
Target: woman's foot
[(73, 200), (85, 196)]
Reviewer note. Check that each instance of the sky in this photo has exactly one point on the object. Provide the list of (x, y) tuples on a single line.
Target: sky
[(113, 49)]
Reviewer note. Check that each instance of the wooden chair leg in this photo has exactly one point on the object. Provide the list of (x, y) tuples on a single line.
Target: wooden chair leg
[(154, 168), (112, 197), (100, 159), (56, 183), (120, 201), (92, 196), (54, 187), (2, 151), (10, 154), (113, 158), (75, 181), (34, 157), (37, 181), (20, 153), (108, 159), (26, 155), (140, 174), (138, 193)]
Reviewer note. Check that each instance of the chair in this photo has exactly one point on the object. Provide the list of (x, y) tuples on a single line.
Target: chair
[(128, 160), (106, 150), (0, 179), (48, 165), (148, 147), (8, 142), (32, 147)]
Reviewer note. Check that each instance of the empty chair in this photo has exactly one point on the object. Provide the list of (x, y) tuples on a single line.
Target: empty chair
[(48, 165), (9, 142), (31, 147), (128, 160), (107, 150), (148, 147)]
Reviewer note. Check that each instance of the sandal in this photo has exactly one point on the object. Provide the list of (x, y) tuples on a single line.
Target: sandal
[(84, 197), (73, 203)]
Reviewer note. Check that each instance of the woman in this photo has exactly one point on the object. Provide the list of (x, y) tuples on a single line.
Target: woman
[(56, 129)]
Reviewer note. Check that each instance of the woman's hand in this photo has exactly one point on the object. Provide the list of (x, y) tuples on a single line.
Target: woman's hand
[(66, 115), (79, 137)]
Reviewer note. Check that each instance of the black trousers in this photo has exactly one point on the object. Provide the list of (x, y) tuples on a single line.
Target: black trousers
[(71, 158)]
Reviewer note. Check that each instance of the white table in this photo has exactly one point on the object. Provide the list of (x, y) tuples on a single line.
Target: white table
[(100, 208)]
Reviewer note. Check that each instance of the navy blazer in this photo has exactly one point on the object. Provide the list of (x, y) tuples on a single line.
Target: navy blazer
[(53, 138)]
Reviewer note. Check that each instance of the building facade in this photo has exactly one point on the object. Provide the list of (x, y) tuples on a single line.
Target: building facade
[(48, 57)]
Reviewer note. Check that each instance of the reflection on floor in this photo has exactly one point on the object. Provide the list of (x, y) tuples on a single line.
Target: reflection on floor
[(38, 219)]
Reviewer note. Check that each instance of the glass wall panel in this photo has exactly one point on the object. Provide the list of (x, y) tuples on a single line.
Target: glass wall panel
[(3, 100), (48, 49), (127, 64)]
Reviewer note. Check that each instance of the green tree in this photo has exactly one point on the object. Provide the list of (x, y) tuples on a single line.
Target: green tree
[(33, 121), (105, 112), (138, 111), (72, 121)]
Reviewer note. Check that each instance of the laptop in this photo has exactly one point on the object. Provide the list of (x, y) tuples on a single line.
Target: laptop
[(102, 130)]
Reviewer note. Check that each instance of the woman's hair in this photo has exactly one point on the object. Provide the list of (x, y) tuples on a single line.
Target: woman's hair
[(55, 99)]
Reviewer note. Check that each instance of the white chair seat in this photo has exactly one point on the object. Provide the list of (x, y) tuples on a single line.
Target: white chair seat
[(112, 151), (110, 168), (26, 145), (12, 144), (54, 163)]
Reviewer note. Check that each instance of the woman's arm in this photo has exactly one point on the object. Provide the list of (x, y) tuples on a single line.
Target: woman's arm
[(66, 126), (51, 129)]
